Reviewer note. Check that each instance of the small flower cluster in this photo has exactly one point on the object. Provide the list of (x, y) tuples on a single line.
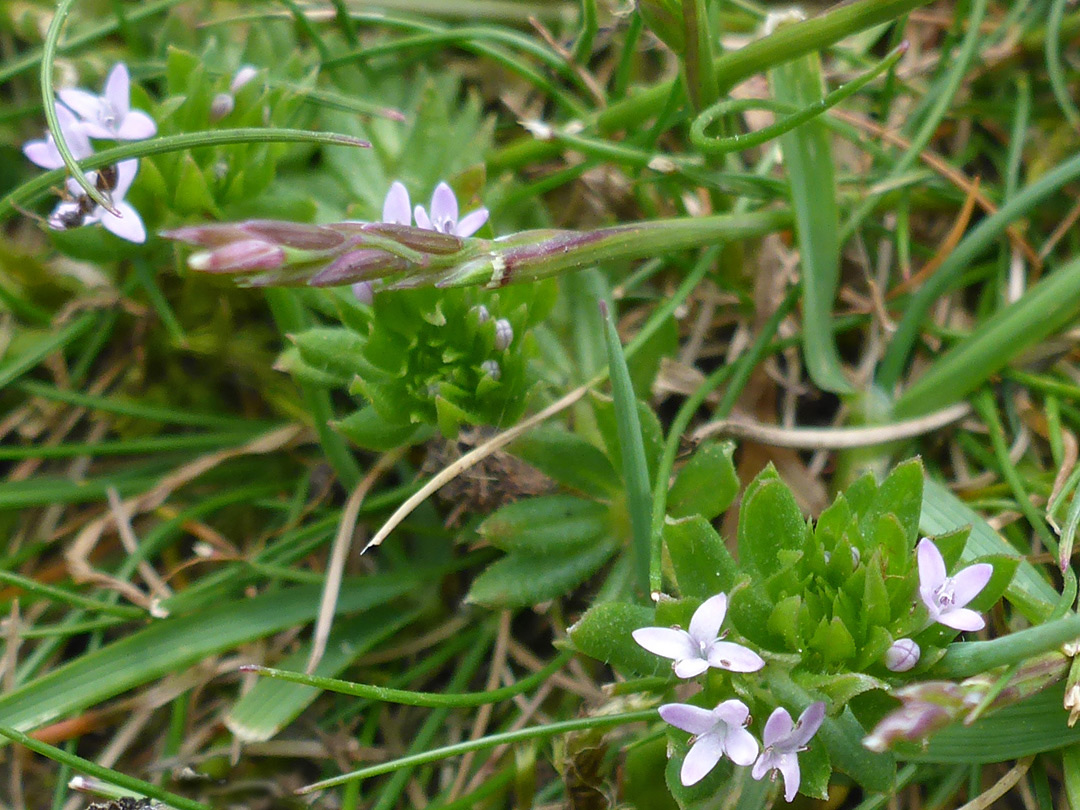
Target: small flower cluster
[(723, 730), (83, 116), (945, 598)]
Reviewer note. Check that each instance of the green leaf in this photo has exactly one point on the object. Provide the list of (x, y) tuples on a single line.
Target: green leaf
[(839, 688), (703, 565), (815, 770), (522, 580), (770, 521), (604, 633), (900, 494), (652, 435), (707, 483), (332, 349), (192, 194), (368, 429), (568, 459), (547, 524)]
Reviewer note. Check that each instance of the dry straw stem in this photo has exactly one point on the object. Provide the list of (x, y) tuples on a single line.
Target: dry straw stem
[(78, 556), (832, 438), (1000, 787), (474, 456)]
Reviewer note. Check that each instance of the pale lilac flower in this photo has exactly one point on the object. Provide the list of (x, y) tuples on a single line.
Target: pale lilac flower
[(444, 215), (128, 225), (945, 596), (397, 209), (783, 742), (700, 648), (110, 115), (902, 655), (44, 153), (716, 733)]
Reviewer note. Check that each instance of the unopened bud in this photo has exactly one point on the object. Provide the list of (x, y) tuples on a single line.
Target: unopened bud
[(491, 369), (247, 255), (244, 75), (364, 292), (481, 312), (221, 106), (504, 334), (912, 722), (902, 655), (357, 265)]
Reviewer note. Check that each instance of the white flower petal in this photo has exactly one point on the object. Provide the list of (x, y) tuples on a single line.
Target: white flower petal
[(422, 218), (43, 153), (967, 584), (788, 765), (777, 727), (118, 90), (128, 225), (125, 176), (471, 223), (734, 657), (733, 712), (135, 126), (809, 723), (706, 621), (396, 207), (85, 105), (766, 762), (740, 745), (667, 642), (962, 619), (690, 667), (692, 719), (444, 207), (700, 759), (932, 572)]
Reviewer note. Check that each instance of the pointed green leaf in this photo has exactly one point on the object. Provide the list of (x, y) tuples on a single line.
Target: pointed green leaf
[(546, 524), (707, 483)]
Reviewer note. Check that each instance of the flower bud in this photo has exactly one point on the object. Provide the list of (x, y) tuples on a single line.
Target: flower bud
[(221, 106), (244, 256), (244, 75), (504, 334), (364, 292), (357, 265), (491, 369), (902, 655), (481, 313)]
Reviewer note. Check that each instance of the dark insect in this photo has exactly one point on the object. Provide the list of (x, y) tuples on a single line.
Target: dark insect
[(73, 210)]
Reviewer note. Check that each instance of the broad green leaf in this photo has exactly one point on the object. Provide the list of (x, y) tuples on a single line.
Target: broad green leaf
[(332, 349), (548, 524), (604, 633), (645, 788), (568, 459), (368, 429), (522, 580), (770, 521), (707, 483), (703, 565)]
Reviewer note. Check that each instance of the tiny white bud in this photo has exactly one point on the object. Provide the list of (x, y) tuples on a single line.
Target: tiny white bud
[(364, 292), (491, 369), (504, 334), (221, 106), (244, 75), (902, 655)]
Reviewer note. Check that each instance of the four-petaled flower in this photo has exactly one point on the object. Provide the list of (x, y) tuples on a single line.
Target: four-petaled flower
[(783, 742), (716, 733), (700, 648), (945, 596), (44, 153), (127, 226), (444, 214), (110, 115)]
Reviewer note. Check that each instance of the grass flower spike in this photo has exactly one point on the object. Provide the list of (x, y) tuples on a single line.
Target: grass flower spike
[(716, 733), (444, 213), (700, 648), (783, 742), (945, 596), (110, 115)]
